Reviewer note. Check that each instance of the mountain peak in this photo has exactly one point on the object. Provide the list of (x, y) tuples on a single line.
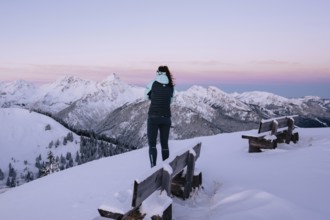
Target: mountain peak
[(67, 79), (112, 77), (18, 87), (112, 80)]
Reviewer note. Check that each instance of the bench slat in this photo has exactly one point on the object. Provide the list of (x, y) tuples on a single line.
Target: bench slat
[(265, 126), (145, 188)]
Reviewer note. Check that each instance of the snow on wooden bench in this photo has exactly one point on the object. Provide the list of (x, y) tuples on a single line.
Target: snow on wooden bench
[(152, 193), (271, 132)]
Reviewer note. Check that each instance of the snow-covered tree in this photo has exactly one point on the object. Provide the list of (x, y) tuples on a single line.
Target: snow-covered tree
[(52, 165), (11, 180)]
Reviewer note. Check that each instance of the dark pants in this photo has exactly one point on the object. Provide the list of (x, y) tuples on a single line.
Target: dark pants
[(162, 124)]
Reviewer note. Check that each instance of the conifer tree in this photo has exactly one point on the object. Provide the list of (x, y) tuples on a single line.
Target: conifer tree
[(69, 137), (38, 160), (48, 127), (51, 144), (29, 176), (65, 141), (11, 180), (57, 143), (8, 182), (77, 159), (2, 175)]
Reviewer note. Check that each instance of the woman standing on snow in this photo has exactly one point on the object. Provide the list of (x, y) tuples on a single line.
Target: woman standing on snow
[(160, 92)]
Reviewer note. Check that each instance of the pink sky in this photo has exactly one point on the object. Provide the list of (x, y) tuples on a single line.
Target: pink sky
[(207, 42)]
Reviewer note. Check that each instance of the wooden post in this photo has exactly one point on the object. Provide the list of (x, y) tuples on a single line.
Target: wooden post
[(290, 129), (167, 214), (252, 147), (295, 137), (197, 180), (166, 182), (189, 175), (274, 127)]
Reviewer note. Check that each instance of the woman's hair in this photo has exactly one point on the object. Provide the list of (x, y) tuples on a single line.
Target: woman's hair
[(166, 70)]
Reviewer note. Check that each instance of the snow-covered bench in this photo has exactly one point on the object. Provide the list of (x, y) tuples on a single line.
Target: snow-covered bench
[(271, 132), (152, 194)]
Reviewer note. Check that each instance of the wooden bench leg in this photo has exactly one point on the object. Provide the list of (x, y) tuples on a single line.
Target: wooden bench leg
[(197, 180), (295, 137), (178, 184), (167, 214), (252, 147)]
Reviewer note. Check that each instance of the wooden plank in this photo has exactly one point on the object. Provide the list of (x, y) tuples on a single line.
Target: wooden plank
[(197, 150), (189, 175), (266, 125), (107, 214), (179, 163), (145, 188), (254, 137), (166, 182), (263, 144)]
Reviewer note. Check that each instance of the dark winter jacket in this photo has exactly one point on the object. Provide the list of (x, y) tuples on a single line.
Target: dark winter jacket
[(160, 93)]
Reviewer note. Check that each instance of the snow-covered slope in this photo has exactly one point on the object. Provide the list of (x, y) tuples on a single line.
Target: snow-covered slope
[(24, 136), (288, 183)]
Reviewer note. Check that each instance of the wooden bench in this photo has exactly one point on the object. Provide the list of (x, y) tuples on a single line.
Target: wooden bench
[(271, 132), (177, 177)]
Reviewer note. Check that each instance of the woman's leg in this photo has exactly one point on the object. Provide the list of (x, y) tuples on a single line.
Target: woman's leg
[(164, 130), (152, 131)]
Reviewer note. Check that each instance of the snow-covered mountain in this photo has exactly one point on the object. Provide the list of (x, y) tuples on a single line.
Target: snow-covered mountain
[(116, 109), (81, 103), (201, 111), (27, 135), (87, 112), (290, 182), (16, 93)]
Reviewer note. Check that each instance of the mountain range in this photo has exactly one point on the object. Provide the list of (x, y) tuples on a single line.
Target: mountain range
[(118, 110)]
